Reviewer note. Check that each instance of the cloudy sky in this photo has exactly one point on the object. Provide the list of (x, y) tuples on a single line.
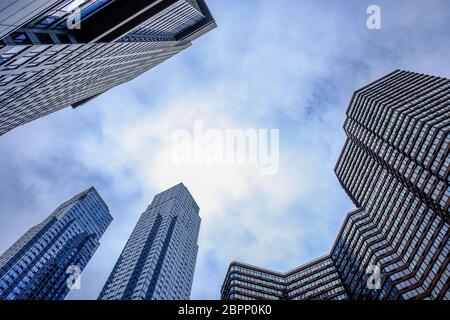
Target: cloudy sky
[(288, 65)]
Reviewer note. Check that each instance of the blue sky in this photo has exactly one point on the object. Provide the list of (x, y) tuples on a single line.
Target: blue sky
[(291, 65)]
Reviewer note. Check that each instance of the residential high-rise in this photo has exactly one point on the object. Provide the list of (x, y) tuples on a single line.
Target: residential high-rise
[(43, 263), (53, 55), (316, 280), (158, 261), (395, 167)]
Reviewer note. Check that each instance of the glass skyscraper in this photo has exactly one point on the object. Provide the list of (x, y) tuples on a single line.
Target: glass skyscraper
[(52, 56), (40, 264), (395, 167), (158, 261)]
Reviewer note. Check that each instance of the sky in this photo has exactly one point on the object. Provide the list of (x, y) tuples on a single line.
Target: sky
[(287, 65)]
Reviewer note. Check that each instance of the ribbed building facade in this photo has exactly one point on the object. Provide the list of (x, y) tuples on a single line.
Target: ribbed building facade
[(38, 265), (395, 168), (55, 54), (158, 261), (315, 280)]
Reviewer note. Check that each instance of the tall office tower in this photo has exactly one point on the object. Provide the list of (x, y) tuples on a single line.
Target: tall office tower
[(395, 167), (158, 261), (58, 53), (43, 263)]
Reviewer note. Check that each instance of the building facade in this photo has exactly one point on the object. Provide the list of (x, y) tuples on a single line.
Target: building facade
[(158, 261), (395, 168), (44, 262), (60, 53), (316, 280)]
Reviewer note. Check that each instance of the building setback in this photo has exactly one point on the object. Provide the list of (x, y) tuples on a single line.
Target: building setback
[(158, 261), (39, 264), (48, 63), (317, 279), (395, 168)]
